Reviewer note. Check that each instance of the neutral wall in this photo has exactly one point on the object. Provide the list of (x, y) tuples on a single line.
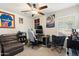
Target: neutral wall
[(72, 11), (27, 21)]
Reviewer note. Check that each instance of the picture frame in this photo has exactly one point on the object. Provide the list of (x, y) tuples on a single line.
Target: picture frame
[(20, 20), (7, 20), (50, 21)]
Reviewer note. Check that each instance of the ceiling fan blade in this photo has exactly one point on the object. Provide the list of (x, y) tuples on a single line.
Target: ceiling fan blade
[(29, 4), (41, 13), (26, 11), (43, 7)]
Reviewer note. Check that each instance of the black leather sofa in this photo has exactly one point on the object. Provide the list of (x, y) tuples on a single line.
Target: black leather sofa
[(10, 45), (73, 45)]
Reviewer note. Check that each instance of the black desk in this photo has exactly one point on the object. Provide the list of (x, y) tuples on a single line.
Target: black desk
[(43, 39), (46, 40), (39, 37)]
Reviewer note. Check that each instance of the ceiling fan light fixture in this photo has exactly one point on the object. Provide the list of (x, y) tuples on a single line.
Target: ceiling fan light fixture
[(34, 12)]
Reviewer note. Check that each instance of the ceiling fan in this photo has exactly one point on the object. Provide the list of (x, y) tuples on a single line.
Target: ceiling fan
[(35, 9)]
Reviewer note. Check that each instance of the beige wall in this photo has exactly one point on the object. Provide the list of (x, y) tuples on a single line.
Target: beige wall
[(72, 11), (18, 27)]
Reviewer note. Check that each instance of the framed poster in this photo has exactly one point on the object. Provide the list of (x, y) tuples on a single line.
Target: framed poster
[(67, 22), (7, 20), (20, 20), (50, 21), (36, 22)]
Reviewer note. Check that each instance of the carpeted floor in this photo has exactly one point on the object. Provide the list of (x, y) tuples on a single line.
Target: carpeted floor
[(41, 51)]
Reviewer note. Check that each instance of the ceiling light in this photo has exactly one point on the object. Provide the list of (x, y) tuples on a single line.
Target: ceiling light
[(34, 12)]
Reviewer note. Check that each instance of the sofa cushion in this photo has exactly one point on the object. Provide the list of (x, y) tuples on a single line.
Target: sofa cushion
[(10, 42), (10, 47), (8, 38)]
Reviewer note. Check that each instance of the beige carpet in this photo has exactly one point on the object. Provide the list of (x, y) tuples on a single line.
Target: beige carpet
[(41, 51)]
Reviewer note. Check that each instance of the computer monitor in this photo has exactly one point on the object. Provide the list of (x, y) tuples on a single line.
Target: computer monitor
[(39, 27), (39, 30)]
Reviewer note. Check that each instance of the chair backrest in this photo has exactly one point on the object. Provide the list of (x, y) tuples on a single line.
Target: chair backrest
[(54, 38), (30, 36), (58, 40), (61, 40)]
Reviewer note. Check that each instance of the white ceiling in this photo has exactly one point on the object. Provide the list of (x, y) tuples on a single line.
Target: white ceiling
[(18, 7)]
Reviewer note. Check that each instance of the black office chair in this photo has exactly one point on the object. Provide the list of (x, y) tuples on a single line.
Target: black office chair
[(53, 40), (58, 42)]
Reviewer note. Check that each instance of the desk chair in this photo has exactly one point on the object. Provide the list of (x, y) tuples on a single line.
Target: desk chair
[(58, 42)]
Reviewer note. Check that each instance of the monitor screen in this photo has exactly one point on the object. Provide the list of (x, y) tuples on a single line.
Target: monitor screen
[(39, 27), (39, 31)]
